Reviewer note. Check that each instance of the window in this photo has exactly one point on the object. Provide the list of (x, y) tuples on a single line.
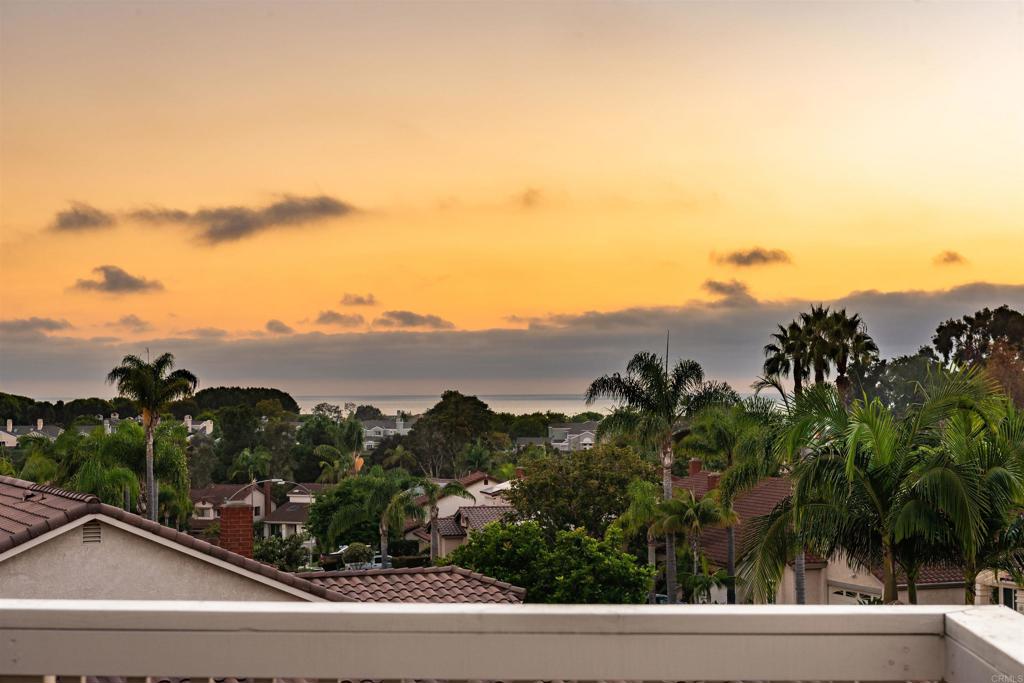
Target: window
[(256, 511)]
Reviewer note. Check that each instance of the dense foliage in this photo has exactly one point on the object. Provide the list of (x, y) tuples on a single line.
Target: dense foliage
[(584, 489), (571, 568), (287, 554), (215, 398)]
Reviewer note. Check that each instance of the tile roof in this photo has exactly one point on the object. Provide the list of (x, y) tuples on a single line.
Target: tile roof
[(475, 517), (216, 493), (29, 510), (418, 584), (756, 502), (291, 513)]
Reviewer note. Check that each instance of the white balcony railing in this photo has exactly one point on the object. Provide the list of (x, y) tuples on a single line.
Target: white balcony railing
[(517, 642)]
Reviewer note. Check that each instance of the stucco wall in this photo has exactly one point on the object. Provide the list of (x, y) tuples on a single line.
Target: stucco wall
[(122, 566), (448, 505)]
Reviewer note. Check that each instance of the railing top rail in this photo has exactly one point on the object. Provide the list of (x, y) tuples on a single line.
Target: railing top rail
[(473, 618)]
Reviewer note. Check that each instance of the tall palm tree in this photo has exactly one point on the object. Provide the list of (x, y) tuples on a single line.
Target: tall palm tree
[(815, 327), (152, 386), (400, 507), (433, 492), (787, 356), (687, 516), (652, 403), (740, 436), (849, 343)]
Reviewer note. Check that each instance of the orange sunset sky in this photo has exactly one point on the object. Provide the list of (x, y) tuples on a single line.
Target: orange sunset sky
[(491, 167)]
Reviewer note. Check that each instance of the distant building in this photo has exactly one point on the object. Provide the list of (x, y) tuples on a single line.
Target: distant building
[(291, 517), (11, 432), (375, 431), (208, 502), (573, 436)]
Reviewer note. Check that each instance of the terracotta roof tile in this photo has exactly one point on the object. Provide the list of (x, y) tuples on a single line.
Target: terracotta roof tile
[(476, 517), (419, 584)]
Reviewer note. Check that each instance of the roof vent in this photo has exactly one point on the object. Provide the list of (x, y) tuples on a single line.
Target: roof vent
[(92, 532)]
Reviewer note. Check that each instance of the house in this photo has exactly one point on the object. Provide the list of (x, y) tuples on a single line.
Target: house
[(573, 436), (291, 517), (375, 431), (208, 502), (57, 544), (475, 483), (197, 427), (832, 581), (455, 529), (11, 432)]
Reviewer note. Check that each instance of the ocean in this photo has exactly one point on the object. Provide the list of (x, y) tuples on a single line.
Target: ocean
[(518, 404)]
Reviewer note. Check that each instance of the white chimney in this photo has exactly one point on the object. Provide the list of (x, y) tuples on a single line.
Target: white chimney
[(10, 425), (188, 422), (399, 422), (39, 423), (115, 416)]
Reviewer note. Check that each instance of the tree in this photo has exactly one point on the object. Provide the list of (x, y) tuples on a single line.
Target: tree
[(970, 340), (848, 342), (474, 457), (334, 465), (400, 507), (571, 568), (652, 403), (250, 465), (1006, 366), (152, 386), (440, 434), (351, 510), (433, 492), (814, 325), (687, 516), (400, 457), (640, 516), (738, 439), (787, 355), (586, 489), (287, 554), (328, 410), (367, 412)]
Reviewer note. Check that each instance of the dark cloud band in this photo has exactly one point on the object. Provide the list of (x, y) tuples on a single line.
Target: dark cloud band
[(115, 280)]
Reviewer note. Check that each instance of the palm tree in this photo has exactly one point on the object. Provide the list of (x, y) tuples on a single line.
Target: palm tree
[(740, 435), (402, 457), (687, 516), (787, 356), (975, 481), (652, 404), (112, 483), (400, 507), (251, 464), (849, 343), (152, 386), (475, 457), (433, 492), (334, 465), (640, 515), (815, 325)]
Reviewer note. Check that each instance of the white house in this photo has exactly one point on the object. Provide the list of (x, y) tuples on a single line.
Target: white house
[(11, 432), (375, 431), (291, 517), (573, 436)]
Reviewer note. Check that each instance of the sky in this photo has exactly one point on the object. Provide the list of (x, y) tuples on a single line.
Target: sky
[(497, 197)]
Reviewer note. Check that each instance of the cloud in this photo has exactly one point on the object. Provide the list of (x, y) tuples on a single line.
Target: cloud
[(232, 223), (278, 327), (131, 322), (33, 325), (530, 198), (560, 353), (80, 218), (358, 300), (205, 333), (757, 256), (407, 319), (732, 293), (949, 258), (115, 280), (339, 319)]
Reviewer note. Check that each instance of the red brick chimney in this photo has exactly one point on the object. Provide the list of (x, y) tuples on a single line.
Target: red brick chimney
[(520, 473), (695, 466), (713, 480), (236, 527)]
